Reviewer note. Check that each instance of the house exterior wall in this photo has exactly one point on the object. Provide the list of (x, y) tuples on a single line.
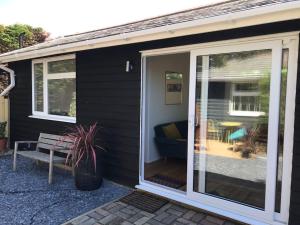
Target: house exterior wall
[(106, 93), (3, 109), (4, 112)]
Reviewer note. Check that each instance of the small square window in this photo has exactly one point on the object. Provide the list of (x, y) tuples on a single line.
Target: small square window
[(245, 100)]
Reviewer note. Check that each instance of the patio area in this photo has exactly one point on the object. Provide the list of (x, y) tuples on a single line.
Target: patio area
[(27, 199), (119, 213)]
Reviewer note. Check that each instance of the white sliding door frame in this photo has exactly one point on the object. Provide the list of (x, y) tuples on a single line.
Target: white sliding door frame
[(288, 145), (276, 47), (277, 43)]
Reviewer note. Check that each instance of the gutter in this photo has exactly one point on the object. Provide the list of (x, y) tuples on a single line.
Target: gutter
[(12, 80), (260, 15)]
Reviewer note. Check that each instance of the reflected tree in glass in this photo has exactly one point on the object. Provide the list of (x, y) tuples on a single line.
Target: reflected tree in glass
[(62, 97)]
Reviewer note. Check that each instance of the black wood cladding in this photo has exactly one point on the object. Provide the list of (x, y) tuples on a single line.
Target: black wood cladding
[(106, 93)]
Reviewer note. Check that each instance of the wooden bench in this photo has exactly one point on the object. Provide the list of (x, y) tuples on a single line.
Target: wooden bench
[(50, 142)]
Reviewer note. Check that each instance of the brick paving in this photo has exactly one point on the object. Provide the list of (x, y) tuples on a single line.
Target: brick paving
[(119, 213)]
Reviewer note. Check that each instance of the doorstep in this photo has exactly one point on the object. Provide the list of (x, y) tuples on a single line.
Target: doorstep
[(120, 213)]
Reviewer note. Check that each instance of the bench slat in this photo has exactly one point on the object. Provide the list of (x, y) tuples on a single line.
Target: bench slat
[(53, 147), (55, 137), (55, 143), (46, 146), (41, 156)]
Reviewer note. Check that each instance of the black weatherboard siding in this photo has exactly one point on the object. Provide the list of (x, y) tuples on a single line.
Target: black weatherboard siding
[(23, 127), (106, 93)]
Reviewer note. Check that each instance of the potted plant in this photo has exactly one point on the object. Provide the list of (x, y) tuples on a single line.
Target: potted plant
[(86, 157), (3, 139)]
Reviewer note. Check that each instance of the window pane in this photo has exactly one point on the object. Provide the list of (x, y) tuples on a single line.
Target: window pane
[(38, 87), (231, 162), (281, 127), (62, 66), (62, 97)]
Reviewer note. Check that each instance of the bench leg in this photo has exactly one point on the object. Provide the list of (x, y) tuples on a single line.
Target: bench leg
[(50, 167), (15, 157), (73, 166), (37, 162)]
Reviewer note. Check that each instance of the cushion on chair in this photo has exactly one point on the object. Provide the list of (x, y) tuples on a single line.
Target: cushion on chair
[(240, 133), (171, 131)]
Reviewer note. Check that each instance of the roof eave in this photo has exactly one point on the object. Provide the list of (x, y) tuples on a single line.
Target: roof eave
[(261, 15)]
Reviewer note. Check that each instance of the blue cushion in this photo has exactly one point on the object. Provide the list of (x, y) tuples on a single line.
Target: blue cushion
[(240, 133)]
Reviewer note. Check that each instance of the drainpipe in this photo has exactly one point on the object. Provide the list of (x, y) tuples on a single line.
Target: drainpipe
[(12, 80)]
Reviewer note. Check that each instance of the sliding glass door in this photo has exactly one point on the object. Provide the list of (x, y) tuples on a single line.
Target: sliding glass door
[(233, 126), (226, 145)]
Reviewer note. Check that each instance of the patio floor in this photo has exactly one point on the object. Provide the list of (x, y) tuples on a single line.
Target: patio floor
[(27, 199), (119, 213)]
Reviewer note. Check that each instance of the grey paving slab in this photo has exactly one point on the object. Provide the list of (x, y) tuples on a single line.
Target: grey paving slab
[(170, 214)]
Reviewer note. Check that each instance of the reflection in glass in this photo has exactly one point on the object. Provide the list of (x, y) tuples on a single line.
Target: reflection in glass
[(281, 127), (62, 97), (38, 87), (232, 106), (61, 66)]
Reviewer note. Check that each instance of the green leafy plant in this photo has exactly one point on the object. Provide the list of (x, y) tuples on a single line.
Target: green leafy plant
[(3, 130)]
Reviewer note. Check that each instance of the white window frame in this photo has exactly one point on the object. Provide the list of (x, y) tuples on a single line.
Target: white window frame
[(45, 115), (233, 112)]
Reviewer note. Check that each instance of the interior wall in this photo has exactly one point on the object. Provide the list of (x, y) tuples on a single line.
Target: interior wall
[(157, 111)]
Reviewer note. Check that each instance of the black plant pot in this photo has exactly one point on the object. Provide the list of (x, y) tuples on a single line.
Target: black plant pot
[(86, 178)]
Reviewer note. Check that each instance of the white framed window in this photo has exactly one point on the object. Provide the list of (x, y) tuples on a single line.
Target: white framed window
[(54, 88), (245, 99)]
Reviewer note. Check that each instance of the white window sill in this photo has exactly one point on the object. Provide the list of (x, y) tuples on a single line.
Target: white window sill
[(246, 113), (54, 118)]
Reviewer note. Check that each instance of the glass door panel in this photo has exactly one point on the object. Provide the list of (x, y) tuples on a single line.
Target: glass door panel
[(231, 126)]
